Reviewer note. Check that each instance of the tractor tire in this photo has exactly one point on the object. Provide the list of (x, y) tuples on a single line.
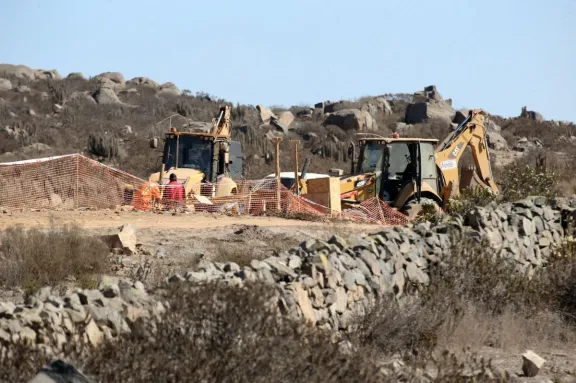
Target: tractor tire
[(413, 208)]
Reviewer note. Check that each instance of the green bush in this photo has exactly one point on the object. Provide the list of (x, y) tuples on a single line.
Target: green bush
[(520, 182), (469, 199)]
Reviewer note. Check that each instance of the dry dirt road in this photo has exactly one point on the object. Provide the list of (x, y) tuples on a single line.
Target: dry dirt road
[(143, 220), (177, 242)]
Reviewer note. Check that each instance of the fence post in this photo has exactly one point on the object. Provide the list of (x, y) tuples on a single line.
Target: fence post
[(277, 170), (76, 188)]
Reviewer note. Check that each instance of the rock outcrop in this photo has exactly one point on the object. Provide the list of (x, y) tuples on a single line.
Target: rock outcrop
[(5, 84), (428, 104), (115, 77), (143, 81), (25, 73), (76, 76), (169, 89), (106, 94), (531, 115), (352, 120)]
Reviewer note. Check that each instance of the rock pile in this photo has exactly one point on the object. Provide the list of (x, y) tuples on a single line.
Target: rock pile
[(48, 322), (329, 283), (324, 283), (429, 104)]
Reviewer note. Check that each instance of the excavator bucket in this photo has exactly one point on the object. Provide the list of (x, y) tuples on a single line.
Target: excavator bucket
[(468, 177)]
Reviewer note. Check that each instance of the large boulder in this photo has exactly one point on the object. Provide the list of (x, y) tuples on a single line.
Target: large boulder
[(106, 95), (76, 76), (429, 94), (496, 141), (423, 111), (124, 240), (169, 88), (370, 108), (5, 84), (25, 73), (492, 127), (286, 119), (460, 116), (143, 81), (429, 104), (81, 98), (19, 71), (266, 115), (531, 363), (51, 74), (383, 105), (115, 77), (531, 115), (352, 119), (524, 144)]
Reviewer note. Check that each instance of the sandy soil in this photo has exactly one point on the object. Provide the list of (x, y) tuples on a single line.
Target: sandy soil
[(112, 219)]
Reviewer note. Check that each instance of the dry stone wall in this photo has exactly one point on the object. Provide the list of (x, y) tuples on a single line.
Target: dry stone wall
[(324, 283)]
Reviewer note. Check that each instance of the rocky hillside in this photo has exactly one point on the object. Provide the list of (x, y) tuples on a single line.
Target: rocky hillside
[(111, 118)]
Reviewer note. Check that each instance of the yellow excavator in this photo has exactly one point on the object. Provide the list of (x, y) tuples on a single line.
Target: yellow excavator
[(408, 173), (206, 163)]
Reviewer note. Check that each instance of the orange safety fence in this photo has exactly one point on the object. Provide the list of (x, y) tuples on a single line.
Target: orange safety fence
[(62, 182), (375, 211), (76, 182)]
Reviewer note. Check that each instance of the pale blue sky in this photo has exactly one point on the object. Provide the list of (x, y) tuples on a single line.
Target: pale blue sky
[(493, 54)]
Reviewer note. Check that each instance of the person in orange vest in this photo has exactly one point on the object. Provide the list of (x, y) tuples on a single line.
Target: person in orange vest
[(146, 195), (174, 192)]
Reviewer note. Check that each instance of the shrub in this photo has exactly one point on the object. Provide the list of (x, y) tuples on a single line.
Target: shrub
[(468, 200), (103, 146), (35, 258), (519, 182)]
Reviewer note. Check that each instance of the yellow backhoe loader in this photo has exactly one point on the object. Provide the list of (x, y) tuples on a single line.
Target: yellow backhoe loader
[(407, 173), (206, 163)]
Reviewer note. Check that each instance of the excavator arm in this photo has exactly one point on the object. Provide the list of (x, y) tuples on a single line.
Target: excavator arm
[(471, 132), (221, 124)]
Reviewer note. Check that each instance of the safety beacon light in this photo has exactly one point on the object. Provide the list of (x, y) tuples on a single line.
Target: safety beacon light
[(395, 135)]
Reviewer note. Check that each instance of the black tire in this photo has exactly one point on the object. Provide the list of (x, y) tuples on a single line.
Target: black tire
[(413, 208)]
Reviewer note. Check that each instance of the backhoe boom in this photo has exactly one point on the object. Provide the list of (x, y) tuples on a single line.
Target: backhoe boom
[(471, 132)]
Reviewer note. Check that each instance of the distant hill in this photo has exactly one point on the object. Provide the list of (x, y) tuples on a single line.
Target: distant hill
[(111, 119)]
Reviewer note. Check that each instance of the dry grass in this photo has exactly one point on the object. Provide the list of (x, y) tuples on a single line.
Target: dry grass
[(476, 300), (35, 258), (225, 252), (510, 331)]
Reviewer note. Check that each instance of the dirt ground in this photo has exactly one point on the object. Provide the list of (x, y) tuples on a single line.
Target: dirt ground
[(170, 244)]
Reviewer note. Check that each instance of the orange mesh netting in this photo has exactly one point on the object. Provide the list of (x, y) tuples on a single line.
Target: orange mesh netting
[(62, 182), (376, 211), (74, 181)]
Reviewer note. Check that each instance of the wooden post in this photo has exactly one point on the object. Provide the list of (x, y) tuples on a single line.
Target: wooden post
[(77, 176), (277, 169), (296, 177)]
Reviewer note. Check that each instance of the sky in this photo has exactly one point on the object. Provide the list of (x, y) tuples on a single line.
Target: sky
[(498, 55)]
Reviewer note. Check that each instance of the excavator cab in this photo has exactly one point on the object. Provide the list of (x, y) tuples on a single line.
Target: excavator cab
[(403, 169)]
